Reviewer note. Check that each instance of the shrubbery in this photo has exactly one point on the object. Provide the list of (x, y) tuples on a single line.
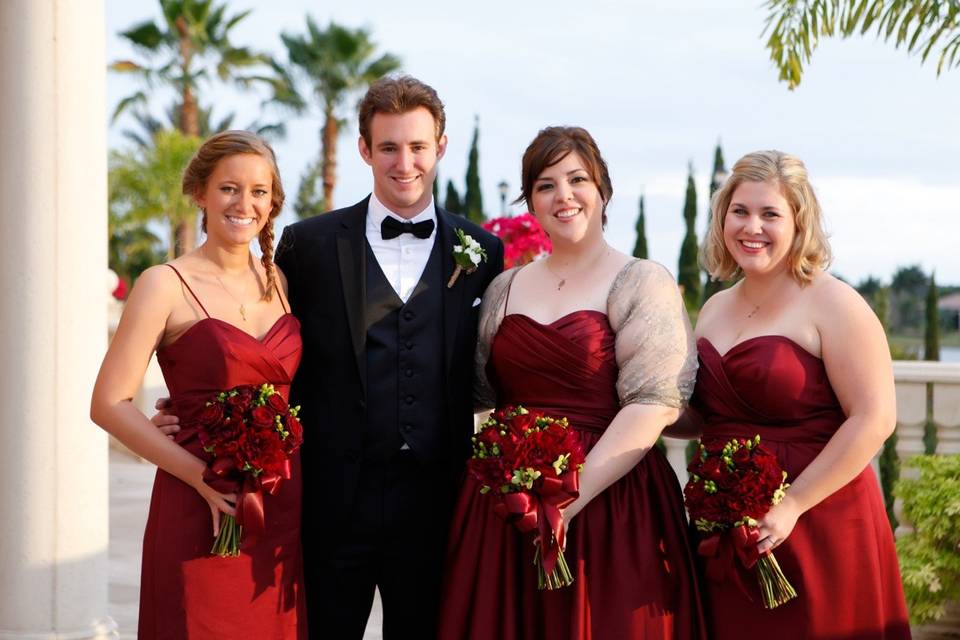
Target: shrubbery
[(930, 558)]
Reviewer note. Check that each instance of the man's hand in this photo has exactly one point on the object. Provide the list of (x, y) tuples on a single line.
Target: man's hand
[(168, 424)]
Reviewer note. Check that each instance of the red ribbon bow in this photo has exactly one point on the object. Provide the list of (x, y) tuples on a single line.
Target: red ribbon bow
[(721, 548), (541, 511), (250, 513)]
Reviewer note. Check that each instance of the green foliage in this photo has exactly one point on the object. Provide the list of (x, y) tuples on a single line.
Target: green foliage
[(908, 288), (310, 193), (187, 46), (132, 248), (145, 183), (331, 65), (452, 201), (717, 178), (920, 26), (931, 334), (929, 558), (473, 197), (688, 271), (640, 247), (889, 463)]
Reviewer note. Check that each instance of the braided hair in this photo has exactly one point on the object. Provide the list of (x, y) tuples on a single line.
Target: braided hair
[(201, 167)]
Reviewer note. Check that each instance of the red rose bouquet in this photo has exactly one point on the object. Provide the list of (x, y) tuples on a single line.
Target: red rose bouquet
[(530, 464), (732, 485), (523, 239), (250, 433)]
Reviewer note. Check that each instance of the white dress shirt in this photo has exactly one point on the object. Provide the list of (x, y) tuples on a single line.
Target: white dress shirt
[(403, 258)]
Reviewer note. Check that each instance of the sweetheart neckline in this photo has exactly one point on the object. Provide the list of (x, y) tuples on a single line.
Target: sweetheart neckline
[(771, 336), (557, 321), (259, 340)]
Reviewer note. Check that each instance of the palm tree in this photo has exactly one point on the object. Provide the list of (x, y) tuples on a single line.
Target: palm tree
[(145, 185), (192, 39), (796, 27), (149, 126), (334, 64)]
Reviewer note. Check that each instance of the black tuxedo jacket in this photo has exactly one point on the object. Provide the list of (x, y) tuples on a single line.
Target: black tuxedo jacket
[(324, 260)]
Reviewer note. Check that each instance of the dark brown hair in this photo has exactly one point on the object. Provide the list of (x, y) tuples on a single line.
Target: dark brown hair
[(400, 95), (552, 145), (202, 165)]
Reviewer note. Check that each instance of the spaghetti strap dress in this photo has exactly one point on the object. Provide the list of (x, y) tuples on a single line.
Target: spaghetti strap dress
[(185, 592)]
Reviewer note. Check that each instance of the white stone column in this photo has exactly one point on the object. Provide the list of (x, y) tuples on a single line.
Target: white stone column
[(53, 320)]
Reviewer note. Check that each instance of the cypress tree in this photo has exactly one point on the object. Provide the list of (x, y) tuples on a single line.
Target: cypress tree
[(688, 271), (452, 202), (719, 172), (931, 335), (473, 198), (640, 248), (436, 188), (881, 306)]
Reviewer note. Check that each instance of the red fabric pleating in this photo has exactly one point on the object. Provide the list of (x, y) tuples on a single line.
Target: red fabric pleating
[(840, 557), (184, 591), (628, 549)]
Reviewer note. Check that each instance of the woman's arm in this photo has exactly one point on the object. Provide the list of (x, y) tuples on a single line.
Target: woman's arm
[(857, 359), (624, 443), (689, 426), (138, 334)]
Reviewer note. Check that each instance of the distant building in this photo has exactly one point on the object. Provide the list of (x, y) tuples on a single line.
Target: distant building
[(949, 307)]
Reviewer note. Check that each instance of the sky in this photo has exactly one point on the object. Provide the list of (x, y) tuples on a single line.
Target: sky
[(658, 85)]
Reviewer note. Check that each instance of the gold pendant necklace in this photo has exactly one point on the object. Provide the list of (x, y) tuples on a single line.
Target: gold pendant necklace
[(563, 280), (243, 308)]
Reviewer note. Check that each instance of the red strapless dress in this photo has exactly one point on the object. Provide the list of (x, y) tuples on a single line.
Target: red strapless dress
[(840, 557), (184, 591), (628, 549)]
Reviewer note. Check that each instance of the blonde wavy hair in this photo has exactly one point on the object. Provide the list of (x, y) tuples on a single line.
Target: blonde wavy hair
[(201, 167), (811, 249)]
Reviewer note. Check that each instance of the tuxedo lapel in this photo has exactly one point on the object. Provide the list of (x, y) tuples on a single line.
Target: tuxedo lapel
[(351, 255), (452, 296)]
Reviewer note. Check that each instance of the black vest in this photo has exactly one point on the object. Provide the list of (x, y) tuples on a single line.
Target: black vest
[(405, 370)]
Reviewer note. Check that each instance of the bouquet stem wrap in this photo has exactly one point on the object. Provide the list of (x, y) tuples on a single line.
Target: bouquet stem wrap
[(542, 514), (723, 549)]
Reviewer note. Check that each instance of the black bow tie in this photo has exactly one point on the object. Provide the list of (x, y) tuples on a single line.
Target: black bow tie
[(391, 228)]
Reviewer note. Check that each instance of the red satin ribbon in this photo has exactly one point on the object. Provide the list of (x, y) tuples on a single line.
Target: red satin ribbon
[(541, 511), (250, 512), (721, 548)]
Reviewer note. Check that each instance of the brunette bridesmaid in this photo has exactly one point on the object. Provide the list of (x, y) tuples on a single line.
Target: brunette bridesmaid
[(603, 339)]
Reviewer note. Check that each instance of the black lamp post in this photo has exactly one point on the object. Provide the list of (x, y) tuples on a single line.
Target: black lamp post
[(504, 190)]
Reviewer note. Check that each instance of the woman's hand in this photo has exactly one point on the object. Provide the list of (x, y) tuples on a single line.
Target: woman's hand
[(167, 423), (218, 502), (778, 524)]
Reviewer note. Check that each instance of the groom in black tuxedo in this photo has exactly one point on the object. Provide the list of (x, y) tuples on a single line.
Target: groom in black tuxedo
[(386, 377)]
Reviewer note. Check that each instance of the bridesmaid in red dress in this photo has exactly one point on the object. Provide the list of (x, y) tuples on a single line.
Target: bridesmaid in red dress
[(603, 339), (795, 355), (217, 318)]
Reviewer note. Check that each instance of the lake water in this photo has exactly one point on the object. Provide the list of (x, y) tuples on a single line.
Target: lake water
[(950, 354)]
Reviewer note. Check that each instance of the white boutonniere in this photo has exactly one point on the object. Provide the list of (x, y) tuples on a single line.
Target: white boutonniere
[(466, 256)]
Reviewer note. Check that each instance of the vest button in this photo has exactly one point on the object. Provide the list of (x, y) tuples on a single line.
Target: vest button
[(407, 428), (408, 373), (408, 315), (409, 399), (408, 344)]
